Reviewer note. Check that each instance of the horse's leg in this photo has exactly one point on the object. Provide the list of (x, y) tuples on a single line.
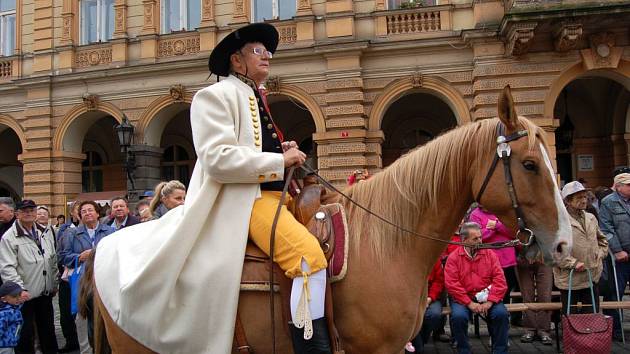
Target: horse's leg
[(118, 340)]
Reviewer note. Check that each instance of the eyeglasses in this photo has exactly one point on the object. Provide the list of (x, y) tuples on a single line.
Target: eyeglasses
[(260, 51)]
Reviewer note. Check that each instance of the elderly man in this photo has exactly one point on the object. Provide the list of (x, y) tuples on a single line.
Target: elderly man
[(120, 216), (614, 219), (27, 257), (7, 214), (234, 191), (475, 281)]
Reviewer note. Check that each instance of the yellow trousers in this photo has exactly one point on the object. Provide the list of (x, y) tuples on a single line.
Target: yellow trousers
[(294, 242)]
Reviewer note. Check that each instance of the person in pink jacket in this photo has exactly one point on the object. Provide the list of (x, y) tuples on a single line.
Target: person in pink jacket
[(493, 230)]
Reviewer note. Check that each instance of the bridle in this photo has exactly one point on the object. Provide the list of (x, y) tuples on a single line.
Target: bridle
[(504, 151)]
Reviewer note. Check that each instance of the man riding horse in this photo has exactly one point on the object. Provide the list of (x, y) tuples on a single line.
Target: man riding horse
[(175, 284)]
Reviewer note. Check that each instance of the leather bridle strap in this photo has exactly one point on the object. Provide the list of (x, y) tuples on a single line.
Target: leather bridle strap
[(504, 154), (272, 244)]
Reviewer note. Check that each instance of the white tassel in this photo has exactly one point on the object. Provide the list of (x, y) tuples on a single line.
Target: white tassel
[(303, 317)]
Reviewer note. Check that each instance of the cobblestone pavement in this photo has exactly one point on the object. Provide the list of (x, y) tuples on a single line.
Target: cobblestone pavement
[(479, 345)]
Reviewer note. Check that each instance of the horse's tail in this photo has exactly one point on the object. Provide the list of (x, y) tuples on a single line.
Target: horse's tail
[(101, 345)]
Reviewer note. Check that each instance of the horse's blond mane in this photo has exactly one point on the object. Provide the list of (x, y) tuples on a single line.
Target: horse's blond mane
[(402, 192)]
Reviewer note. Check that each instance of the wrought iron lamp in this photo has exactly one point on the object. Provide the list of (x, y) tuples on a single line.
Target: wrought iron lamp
[(124, 132)]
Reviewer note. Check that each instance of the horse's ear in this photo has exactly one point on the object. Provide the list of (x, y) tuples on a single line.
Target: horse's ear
[(507, 113)]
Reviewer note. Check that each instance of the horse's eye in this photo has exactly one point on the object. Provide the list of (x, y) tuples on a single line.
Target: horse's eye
[(530, 165)]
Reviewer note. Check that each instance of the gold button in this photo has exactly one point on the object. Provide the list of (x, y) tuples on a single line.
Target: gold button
[(255, 120), (257, 137), (257, 143), (255, 125), (273, 175), (269, 126), (253, 109), (266, 118), (274, 135), (252, 98), (261, 177), (254, 114)]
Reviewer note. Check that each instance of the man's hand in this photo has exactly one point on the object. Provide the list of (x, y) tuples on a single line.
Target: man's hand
[(485, 307), (84, 255), (429, 301), (579, 266), (621, 256), (289, 145), (25, 296), (474, 307), (293, 157)]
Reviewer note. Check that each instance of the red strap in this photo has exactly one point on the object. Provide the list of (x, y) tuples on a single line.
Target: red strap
[(263, 95)]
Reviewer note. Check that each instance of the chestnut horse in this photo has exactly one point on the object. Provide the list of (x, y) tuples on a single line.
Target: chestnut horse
[(379, 305)]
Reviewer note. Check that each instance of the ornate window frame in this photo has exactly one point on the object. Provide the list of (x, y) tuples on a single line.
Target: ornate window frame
[(3, 23)]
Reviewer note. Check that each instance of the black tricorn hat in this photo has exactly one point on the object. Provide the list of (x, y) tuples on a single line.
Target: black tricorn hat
[(219, 62)]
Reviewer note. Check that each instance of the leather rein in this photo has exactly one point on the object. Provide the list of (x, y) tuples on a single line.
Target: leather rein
[(503, 154)]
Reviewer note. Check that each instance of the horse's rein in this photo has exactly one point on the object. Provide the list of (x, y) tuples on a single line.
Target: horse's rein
[(503, 153)]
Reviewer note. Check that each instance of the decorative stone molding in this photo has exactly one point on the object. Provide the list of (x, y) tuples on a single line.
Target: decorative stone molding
[(90, 101), (519, 38), (207, 13), (177, 92), (169, 47), (240, 12), (416, 80), (272, 85), (380, 5), (304, 8), (120, 19), (567, 36), (93, 57), (67, 23), (288, 33), (149, 12), (602, 45)]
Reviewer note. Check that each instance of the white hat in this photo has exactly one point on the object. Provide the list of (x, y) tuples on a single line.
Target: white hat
[(622, 178), (571, 188)]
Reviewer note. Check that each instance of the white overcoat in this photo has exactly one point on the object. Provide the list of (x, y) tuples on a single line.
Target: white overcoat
[(173, 283)]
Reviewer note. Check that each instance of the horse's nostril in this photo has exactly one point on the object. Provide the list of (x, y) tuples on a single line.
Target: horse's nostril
[(560, 246)]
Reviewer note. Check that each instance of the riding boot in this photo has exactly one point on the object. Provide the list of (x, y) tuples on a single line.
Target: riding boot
[(318, 344)]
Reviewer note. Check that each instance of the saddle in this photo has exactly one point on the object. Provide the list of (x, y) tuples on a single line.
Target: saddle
[(328, 224)]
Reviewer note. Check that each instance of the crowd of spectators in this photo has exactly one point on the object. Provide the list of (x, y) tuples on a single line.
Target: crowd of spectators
[(39, 253)]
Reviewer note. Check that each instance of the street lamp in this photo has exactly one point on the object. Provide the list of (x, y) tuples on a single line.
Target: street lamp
[(124, 132)]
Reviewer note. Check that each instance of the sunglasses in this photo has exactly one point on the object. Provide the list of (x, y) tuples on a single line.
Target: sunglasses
[(262, 51)]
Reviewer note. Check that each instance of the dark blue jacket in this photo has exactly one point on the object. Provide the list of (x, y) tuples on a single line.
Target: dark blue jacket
[(76, 240), (614, 221), (10, 325)]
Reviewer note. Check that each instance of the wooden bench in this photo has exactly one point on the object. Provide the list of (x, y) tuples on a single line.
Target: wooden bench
[(549, 306)]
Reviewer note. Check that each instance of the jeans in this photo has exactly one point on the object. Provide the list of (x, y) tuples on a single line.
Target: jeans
[(432, 320), (498, 325)]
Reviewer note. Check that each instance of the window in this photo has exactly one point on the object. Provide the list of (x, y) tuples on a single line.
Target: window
[(406, 4), (7, 27), (176, 164), (92, 172), (180, 15), (97, 20), (274, 9)]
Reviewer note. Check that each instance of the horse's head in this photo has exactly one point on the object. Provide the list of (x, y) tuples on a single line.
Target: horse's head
[(536, 190)]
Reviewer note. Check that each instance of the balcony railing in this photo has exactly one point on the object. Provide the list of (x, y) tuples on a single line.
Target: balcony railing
[(6, 69), (418, 20)]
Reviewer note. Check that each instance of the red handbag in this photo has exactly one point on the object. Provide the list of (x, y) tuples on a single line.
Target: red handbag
[(586, 333)]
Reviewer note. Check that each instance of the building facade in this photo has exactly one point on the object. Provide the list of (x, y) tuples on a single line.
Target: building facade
[(355, 83)]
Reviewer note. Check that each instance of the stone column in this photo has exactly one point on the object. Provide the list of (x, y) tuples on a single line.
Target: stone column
[(208, 28), (150, 29), (119, 42), (43, 37), (147, 172), (66, 179)]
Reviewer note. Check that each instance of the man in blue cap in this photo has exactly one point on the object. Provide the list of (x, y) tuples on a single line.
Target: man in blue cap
[(28, 258)]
